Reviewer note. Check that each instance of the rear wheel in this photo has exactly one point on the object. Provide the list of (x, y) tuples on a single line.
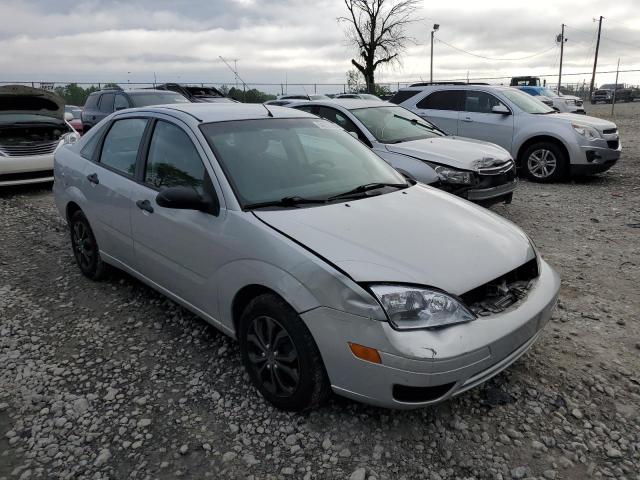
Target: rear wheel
[(280, 355), (85, 247), (545, 162)]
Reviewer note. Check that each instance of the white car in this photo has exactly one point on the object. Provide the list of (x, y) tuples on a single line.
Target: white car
[(33, 125), (560, 103)]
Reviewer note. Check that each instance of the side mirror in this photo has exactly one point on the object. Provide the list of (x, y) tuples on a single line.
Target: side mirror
[(120, 107), (185, 198), (501, 109), (68, 116), (354, 135)]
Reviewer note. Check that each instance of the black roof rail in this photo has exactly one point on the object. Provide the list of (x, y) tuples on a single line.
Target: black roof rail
[(426, 84)]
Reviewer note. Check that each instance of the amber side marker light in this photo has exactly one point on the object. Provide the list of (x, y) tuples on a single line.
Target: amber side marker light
[(365, 353)]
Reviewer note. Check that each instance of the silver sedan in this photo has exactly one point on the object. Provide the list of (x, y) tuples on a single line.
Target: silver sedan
[(282, 230)]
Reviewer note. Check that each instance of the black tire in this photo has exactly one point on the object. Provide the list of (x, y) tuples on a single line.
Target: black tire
[(85, 247), (538, 165), (293, 378)]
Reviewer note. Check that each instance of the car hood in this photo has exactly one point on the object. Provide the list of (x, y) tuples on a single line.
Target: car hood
[(457, 152), (419, 235), (17, 99), (597, 123)]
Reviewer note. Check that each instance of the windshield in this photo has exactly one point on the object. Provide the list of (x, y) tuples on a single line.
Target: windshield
[(270, 159), (526, 102), (548, 93), (156, 98), (395, 124)]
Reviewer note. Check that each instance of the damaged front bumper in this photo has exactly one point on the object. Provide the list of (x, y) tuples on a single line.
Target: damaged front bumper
[(423, 367)]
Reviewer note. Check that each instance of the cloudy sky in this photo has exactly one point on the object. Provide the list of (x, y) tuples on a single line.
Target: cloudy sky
[(277, 41)]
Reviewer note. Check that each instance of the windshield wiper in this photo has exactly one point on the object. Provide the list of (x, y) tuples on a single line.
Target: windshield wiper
[(413, 121), (365, 188), (284, 202)]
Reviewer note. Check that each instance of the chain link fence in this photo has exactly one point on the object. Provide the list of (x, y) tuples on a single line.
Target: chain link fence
[(75, 93)]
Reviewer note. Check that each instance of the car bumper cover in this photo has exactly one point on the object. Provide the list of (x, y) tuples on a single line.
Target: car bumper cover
[(446, 361)]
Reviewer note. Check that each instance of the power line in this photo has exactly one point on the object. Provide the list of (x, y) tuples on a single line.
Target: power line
[(493, 58)]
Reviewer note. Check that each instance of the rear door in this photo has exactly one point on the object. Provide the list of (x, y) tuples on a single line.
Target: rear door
[(442, 108), (107, 186), (478, 121)]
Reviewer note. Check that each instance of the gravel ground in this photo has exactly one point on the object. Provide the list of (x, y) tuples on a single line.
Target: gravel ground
[(111, 380)]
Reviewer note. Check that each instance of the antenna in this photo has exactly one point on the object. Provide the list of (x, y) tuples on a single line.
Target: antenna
[(269, 114)]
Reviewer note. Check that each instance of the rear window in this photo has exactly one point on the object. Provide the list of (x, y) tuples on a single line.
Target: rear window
[(106, 103), (92, 101), (403, 95), (442, 100)]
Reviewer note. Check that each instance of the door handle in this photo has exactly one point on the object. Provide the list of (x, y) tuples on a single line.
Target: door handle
[(145, 205), (93, 178), (467, 119)]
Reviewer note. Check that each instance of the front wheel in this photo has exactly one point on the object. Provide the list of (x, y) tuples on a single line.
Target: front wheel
[(545, 162), (280, 355)]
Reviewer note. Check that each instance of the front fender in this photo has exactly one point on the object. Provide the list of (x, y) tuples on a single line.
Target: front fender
[(236, 275)]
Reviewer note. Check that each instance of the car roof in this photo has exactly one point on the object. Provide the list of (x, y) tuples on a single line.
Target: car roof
[(469, 86), (220, 112), (348, 103), (133, 90)]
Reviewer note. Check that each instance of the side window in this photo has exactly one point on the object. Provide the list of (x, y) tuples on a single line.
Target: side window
[(307, 108), (480, 102), (338, 118), (173, 160), (120, 147), (90, 147), (442, 100), (106, 103), (121, 102)]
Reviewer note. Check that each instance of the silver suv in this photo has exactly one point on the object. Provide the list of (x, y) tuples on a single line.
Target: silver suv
[(547, 145)]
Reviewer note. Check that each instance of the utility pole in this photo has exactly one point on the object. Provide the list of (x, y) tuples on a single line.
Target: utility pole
[(435, 29), (238, 77), (595, 60), (613, 102), (561, 40)]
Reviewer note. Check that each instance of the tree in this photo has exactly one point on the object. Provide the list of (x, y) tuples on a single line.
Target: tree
[(377, 29), (353, 81)]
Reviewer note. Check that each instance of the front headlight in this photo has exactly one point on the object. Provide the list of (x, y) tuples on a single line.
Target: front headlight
[(411, 308), (451, 175), (70, 138), (589, 133)]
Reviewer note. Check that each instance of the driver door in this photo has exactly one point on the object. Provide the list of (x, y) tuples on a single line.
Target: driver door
[(179, 250), (478, 121)]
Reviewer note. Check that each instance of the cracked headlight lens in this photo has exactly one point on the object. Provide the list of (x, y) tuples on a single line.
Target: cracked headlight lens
[(451, 175), (412, 308), (589, 133)]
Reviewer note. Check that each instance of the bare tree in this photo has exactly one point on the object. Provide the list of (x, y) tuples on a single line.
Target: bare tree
[(377, 29)]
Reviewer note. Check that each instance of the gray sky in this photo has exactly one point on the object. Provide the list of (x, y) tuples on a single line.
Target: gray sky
[(300, 41)]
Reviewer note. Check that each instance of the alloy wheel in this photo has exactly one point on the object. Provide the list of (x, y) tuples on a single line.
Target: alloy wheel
[(83, 248), (542, 163), (273, 356)]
